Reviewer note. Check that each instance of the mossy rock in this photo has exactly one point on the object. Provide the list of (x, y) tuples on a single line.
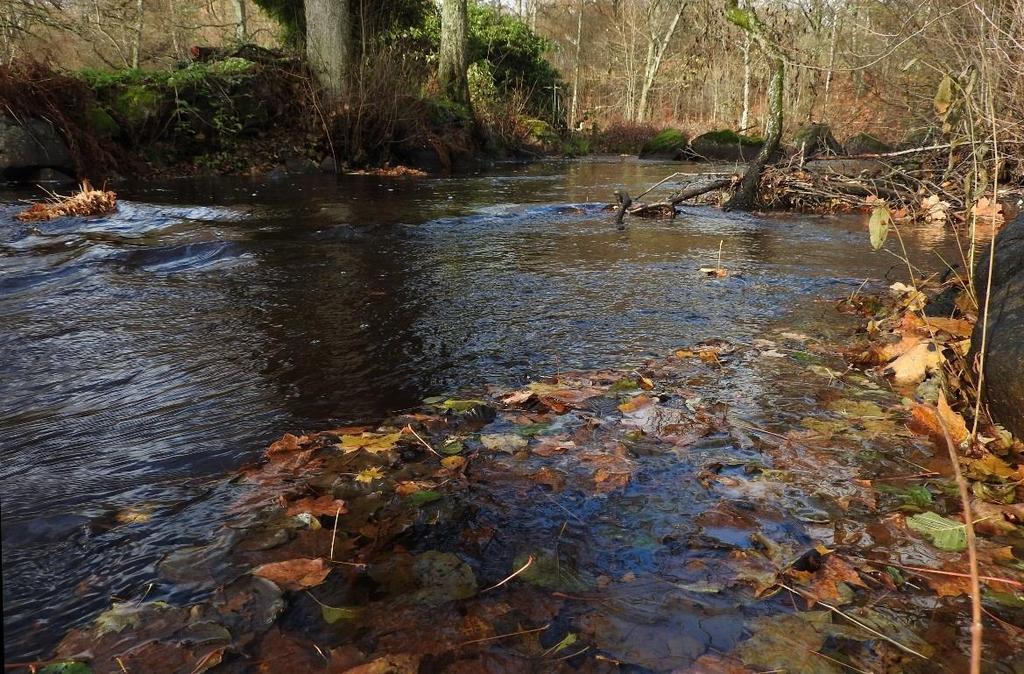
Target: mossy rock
[(816, 139), (920, 137), (540, 132), (725, 145), (865, 143), (101, 122), (667, 144)]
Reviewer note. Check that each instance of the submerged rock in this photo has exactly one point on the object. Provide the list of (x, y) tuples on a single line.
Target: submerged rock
[(1004, 361)]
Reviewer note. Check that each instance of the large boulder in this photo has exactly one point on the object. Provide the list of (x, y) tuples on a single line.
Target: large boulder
[(26, 148), (815, 139), (865, 143), (725, 145), (1004, 360), (666, 144)]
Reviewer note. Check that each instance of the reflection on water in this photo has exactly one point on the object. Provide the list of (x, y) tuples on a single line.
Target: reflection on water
[(147, 351)]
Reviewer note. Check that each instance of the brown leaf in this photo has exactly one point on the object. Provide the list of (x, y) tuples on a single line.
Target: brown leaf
[(635, 404), (957, 327), (321, 505), (824, 583), (389, 664), (295, 574), (288, 443), (913, 366)]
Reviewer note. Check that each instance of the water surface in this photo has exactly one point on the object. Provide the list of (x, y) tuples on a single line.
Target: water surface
[(147, 352)]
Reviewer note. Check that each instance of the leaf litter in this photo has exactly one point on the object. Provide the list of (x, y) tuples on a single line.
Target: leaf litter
[(676, 516)]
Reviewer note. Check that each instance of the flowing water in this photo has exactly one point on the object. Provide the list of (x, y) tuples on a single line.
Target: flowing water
[(148, 352)]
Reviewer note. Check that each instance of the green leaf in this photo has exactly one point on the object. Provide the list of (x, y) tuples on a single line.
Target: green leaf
[(569, 640), (944, 95), (878, 226), (942, 532), (424, 497), (66, 668), (460, 405), (452, 446), (333, 614)]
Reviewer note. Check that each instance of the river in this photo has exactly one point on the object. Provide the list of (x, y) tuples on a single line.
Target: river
[(151, 351)]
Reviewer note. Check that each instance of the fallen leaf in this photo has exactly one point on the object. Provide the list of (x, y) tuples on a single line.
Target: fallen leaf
[(827, 583), (957, 327), (714, 272), (942, 532), (914, 365), (321, 505), (368, 475), (503, 442), (635, 404), (371, 442), (295, 574), (288, 443), (453, 462)]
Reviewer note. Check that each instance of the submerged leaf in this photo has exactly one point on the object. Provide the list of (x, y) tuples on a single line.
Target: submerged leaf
[(944, 533), (295, 574), (424, 497), (333, 614)]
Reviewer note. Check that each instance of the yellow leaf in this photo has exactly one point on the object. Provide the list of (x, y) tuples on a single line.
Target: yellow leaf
[(371, 442), (944, 95), (368, 475)]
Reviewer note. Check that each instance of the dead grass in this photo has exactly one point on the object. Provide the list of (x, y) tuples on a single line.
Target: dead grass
[(87, 201)]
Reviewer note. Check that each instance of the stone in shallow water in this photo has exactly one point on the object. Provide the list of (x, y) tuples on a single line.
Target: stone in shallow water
[(1004, 362)]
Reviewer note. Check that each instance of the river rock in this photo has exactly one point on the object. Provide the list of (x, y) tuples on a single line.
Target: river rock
[(667, 144), (725, 145), (28, 148), (1004, 361)]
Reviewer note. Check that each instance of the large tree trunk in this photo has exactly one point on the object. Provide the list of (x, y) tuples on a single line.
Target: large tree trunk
[(328, 45), (241, 24), (745, 115), (137, 34), (453, 58), (655, 54), (746, 198)]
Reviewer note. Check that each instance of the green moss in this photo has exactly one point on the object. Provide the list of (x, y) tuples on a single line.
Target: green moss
[(730, 137), (101, 122), (138, 103), (540, 131), (666, 141)]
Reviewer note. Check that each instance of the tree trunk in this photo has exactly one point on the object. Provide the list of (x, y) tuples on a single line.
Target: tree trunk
[(654, 58), (137, 36), (745, 115), (746, 196), (576, 69), (453, 58), (328, 45), (241, 25)]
